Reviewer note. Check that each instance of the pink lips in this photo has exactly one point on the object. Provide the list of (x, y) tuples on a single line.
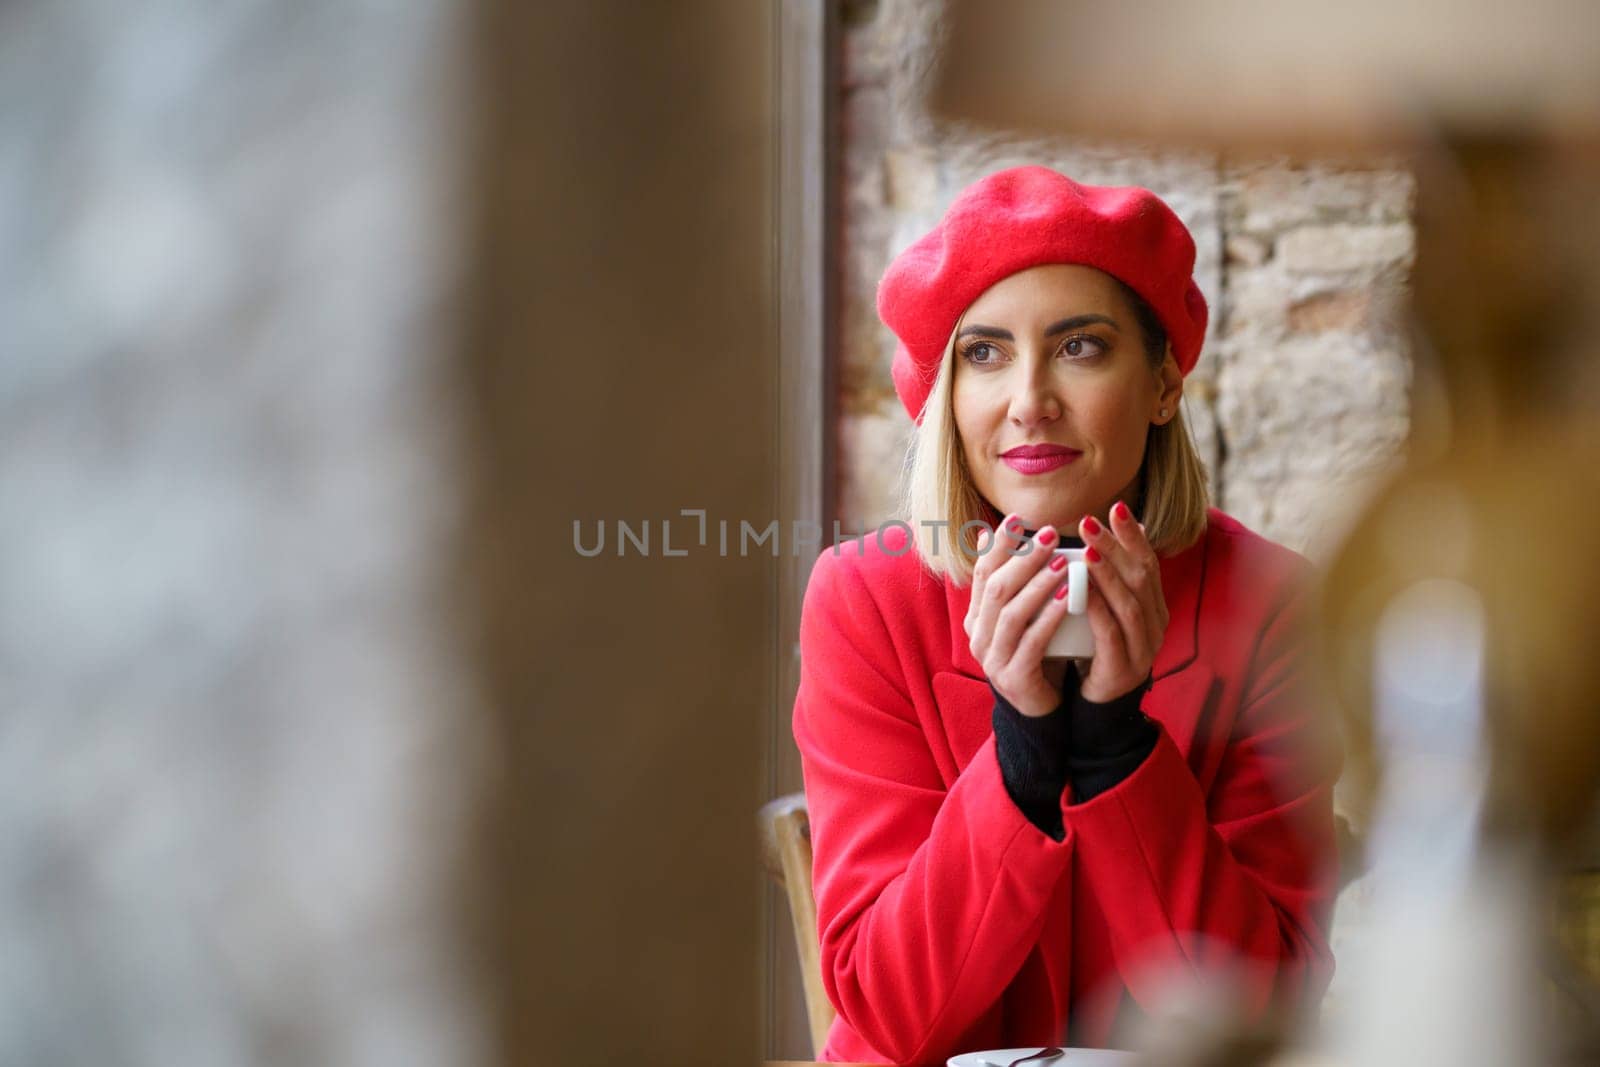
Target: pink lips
[(1039, 459)]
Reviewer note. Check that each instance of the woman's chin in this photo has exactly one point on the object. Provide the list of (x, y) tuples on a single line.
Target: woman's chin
[(1047, 502), (1037, 514)]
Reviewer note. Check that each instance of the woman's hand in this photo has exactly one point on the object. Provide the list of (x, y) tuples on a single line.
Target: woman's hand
[(1127, 609), (1018, 600)]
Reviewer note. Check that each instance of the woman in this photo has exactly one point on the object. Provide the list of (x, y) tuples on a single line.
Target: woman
[(1009, 852)]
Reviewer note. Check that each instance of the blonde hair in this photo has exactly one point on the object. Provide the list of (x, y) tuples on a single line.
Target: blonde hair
[(945, 511)]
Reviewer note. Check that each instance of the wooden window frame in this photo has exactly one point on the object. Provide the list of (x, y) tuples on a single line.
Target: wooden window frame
[(805, 269)]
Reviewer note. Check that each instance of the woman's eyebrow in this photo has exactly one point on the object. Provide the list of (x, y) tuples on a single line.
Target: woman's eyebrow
[(993, 332), (1080, 320), (997, 334)]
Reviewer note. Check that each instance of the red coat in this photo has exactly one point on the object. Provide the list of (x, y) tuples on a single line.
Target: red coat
[(949, 922)]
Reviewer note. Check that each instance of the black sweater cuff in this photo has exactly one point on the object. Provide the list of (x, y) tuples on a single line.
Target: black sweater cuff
[(1032, 751), (1108, 742), (1090, 746)]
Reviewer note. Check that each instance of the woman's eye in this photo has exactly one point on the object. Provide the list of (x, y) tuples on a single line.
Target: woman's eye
[(1083, 347), (981, 353)]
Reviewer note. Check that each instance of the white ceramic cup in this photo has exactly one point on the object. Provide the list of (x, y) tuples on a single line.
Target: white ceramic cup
[(1073, 639)]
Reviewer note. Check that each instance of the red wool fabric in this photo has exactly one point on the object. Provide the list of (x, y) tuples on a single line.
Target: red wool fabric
[(949, 923), (1027, 217)]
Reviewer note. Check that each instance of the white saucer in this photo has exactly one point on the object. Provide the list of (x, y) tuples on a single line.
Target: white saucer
[(1072, 1057)]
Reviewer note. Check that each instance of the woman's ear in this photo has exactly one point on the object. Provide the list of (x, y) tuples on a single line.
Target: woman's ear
[(1169, 382)]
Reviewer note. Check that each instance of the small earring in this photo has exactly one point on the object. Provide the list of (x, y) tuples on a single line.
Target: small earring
[(1163, 413)]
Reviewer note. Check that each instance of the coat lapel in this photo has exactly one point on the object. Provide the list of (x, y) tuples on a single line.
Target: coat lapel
[(1184, 702), (1182, 578)]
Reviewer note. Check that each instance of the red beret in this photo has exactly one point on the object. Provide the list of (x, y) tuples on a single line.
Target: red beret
[(1026, 217)]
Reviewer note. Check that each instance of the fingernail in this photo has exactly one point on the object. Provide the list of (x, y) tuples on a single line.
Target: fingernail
[(1057, 563), (1121, 511), (1091, 555), (1092, 525), (1047, 535), (1014, 525), (1061, 594)]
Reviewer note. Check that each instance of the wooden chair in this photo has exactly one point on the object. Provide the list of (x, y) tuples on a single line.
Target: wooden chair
[(786, 849)]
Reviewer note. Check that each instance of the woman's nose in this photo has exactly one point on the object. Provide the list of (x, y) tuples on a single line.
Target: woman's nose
[(1033, 399)]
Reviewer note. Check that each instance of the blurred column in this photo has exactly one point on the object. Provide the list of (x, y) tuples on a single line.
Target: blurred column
[(622, 369)]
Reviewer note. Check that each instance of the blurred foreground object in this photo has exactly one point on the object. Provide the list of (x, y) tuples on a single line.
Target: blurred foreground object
[(1284, 76), (1475, 568), (1498, 509), (1449, 898)]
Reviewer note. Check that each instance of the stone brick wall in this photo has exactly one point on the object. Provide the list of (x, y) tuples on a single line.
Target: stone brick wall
[(1300, 397)]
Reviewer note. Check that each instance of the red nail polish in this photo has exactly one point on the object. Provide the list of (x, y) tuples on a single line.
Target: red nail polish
[(1014, 526), (1061, 594), (1057, 563), (1091, 555), (1122, 511), (1092, 525), (1046, 536)]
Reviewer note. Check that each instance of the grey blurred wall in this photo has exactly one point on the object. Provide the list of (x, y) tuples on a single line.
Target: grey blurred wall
[(236, 746)]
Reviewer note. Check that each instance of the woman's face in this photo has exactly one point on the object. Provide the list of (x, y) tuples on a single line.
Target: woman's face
[(1053, 356)]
